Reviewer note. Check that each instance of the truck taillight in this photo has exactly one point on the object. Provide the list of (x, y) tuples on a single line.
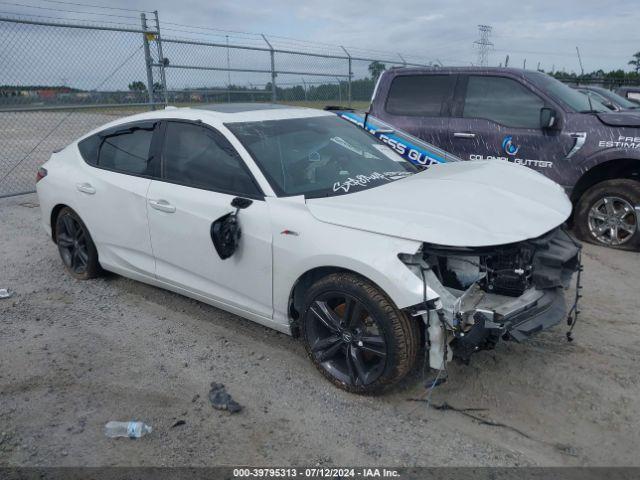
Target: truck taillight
[(42, 172)]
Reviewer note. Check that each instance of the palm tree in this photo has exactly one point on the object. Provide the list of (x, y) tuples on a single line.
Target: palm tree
[(636, 61)]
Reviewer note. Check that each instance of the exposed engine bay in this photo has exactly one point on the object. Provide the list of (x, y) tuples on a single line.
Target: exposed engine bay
[(545, 262), (486, 294)]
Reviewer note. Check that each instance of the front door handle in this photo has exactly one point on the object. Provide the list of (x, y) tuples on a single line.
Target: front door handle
[(85, 188), (162, 205), (464, 135)]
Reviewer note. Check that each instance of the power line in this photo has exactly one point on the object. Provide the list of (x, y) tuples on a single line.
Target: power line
[(96, 6), (66, 11), (66, 19)]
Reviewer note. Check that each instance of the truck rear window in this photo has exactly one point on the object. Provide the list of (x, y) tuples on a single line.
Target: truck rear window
[(419, 95)]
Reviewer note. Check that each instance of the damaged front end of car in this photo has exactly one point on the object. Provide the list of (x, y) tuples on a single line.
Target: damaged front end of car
[(478, 295)]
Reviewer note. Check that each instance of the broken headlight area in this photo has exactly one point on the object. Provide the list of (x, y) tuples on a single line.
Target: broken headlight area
[(507, 291), (545, 262)]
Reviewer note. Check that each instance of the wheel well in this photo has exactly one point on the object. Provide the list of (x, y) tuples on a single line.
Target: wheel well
[(619, 168), (304, 282), (54, 215)]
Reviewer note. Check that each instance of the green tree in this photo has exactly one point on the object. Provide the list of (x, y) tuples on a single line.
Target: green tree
[(376, 68), (636, 62), (137, 86)]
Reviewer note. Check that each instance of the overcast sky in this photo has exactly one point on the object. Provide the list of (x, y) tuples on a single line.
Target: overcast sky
[(541, 31)]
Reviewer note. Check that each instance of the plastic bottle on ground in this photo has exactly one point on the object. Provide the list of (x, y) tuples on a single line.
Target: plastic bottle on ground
[(126, 429)]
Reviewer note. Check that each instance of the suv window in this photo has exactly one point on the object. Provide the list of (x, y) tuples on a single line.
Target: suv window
[(126, 152), (200, 157), (502, 100), (421, 95)]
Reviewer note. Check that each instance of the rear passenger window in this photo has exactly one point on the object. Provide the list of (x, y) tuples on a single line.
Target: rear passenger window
[(127, 152), (199, 157), (421, 95), (502, 100)]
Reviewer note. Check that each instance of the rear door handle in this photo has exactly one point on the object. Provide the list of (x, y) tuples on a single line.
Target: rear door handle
[(162, 205), (464, 135), (85, 188)]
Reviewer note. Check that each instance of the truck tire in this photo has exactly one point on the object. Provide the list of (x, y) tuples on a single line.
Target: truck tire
[(354, 334), (607, 214)]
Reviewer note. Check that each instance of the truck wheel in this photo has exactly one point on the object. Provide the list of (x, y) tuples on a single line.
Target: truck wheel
[(77, 250), (607, 214), (356, 336)]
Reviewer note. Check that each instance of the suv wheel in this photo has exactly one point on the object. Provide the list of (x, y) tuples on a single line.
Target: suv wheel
[(77, 250), (356, 336), (607, 214)]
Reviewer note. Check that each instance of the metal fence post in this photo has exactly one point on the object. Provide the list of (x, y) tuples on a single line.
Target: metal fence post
[(273, 70), (147, 59), (350, 73), (161, 60)]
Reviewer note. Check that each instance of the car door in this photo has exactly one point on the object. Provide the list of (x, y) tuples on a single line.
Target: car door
[(419, 104), (111, 192), (499, 118), (201, 175)]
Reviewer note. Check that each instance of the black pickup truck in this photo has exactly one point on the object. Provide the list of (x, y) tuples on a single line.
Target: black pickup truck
[(525, 117)]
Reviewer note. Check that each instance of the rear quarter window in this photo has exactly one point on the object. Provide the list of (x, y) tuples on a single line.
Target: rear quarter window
[(89, 149)]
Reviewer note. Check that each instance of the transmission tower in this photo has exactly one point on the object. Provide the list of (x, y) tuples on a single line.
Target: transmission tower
[(484, 45)]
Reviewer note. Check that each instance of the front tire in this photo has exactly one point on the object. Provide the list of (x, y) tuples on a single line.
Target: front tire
[(354, 334), (606, 214), (77, 250)]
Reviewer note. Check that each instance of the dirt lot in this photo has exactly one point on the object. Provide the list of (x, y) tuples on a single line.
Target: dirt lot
[(75, 355)]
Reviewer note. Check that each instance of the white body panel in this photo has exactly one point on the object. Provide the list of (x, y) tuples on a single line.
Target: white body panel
[(465, 204), (470, 204), (185, 255)]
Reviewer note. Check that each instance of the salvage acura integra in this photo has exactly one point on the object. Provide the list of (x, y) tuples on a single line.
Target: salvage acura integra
[(301, 221)]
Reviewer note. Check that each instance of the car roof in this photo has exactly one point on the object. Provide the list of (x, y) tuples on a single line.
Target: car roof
[(217, 114), (243, 112)]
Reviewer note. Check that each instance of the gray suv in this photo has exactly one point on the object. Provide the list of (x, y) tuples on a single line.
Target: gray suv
[(532, 119)]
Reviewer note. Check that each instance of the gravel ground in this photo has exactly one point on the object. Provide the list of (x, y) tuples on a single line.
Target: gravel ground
[(75, 355)]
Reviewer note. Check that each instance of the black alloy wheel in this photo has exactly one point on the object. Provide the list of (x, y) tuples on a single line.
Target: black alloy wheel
[(346, 340), (356, 336), (75, 245)]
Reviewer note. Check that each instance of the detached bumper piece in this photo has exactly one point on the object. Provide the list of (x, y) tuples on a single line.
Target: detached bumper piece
[(510, 292)]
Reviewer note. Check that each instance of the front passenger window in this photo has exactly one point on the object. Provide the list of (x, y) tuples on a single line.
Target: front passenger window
[(503, 100), (199, 157)]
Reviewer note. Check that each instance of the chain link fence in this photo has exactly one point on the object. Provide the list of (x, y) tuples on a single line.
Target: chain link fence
[(59, 80)]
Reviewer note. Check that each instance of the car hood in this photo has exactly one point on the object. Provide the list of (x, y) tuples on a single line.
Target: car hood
[(472, 204), (629, 118)]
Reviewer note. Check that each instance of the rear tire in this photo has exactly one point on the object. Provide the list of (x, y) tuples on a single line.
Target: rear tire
[(77, 250), (354, 334), (606, 214)]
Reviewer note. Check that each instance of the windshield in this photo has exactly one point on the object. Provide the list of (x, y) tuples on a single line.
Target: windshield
[(558, 90), (319, 156), (615, 98)]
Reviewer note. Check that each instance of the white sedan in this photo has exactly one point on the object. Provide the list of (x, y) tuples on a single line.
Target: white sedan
[(303, 222)]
